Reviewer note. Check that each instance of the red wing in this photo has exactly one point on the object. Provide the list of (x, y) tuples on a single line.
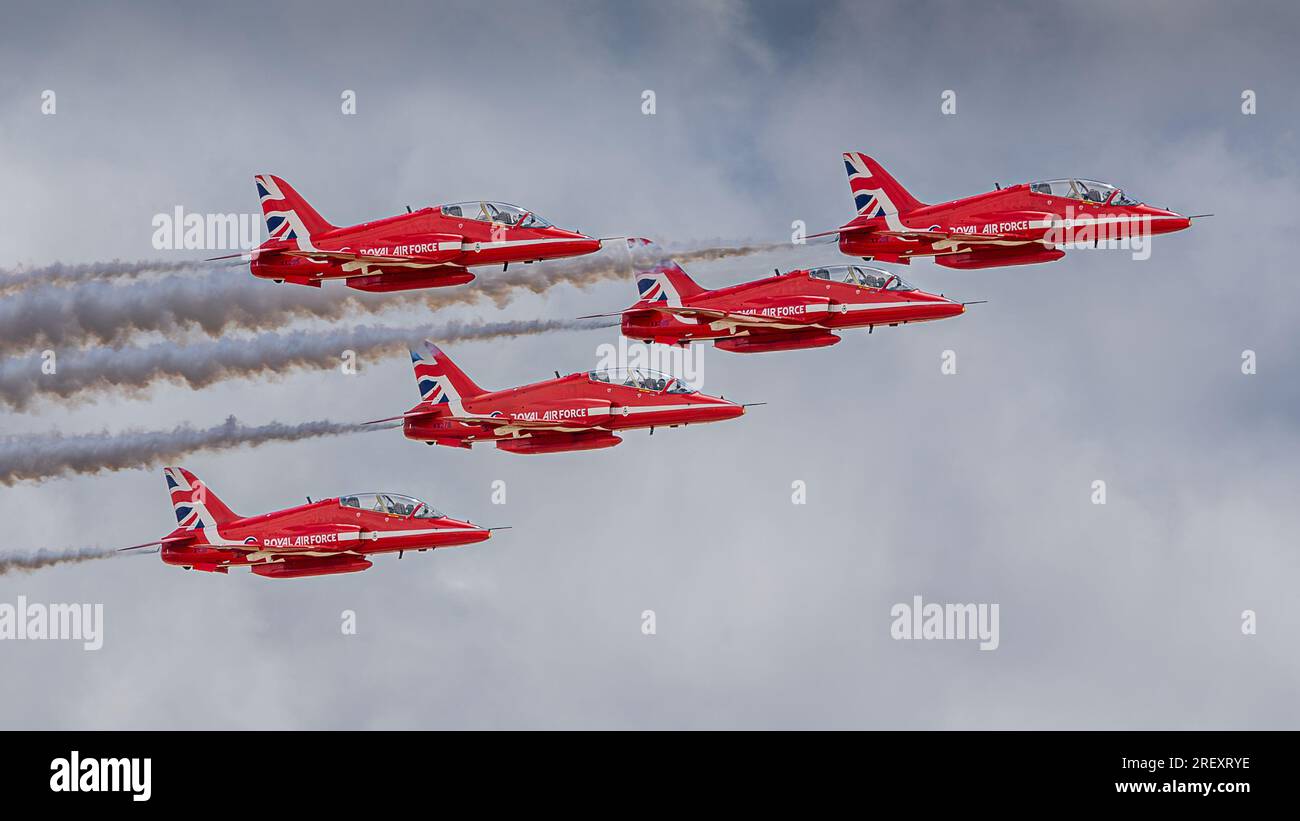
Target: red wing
[(690, 313), (505, 421), (735, 317), (366, 259), (293, 567), (501, 421), (920, 234), (471, 420), (952, 235)]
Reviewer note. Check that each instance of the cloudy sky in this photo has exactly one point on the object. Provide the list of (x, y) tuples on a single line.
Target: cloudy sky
[(973, 487)]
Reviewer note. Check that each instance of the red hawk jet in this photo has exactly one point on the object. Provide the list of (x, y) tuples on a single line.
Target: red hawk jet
[(581, 411), (428, 248), (1018, 225), (797, 309), (319, 538)]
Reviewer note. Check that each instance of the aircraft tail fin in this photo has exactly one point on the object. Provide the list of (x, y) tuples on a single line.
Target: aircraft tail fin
[(439, 380), (288, 216), (663, 281), (875, 192), (195, 505)]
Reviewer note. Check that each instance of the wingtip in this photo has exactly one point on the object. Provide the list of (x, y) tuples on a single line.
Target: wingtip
[(157, 544), (382, 421)]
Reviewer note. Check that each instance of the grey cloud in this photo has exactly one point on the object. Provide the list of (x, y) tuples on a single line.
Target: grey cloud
[(973, 487)]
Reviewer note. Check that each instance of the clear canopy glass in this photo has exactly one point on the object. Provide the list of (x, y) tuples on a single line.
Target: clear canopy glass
[(392, 504), (643, 378), (1087, 190), (499, 212), (863, 276)]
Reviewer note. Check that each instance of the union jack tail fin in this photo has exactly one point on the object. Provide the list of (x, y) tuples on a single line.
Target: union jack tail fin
[(288, 216), (196, 506), (664, 281), (439, 380), (875, 192)]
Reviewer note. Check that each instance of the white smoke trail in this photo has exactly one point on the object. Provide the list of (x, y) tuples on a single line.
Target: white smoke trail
[(81, 374), (44, 456), (50, 558), (105, 313), (58, 273), (108, 313)]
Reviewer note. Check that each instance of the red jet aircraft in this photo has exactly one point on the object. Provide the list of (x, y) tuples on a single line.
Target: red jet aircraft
[(428, 248), (318, 538), (797, 309), (580, 411), (1018, 225)]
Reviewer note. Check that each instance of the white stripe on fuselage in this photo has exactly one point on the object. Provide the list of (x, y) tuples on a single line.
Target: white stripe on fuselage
[(1053, 224), (871, 306), (520, 431), (476, 246), (367, 535), (362, 268)]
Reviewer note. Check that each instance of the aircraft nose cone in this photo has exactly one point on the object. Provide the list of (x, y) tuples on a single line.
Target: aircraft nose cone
[(473, 534), (582, 244), (722, 409), (941, 307), (1166, 222)]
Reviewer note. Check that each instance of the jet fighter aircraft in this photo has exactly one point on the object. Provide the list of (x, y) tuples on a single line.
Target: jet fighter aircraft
[(788, 311), (581, 411), (428, 248), (333, 535), (1018, 225)]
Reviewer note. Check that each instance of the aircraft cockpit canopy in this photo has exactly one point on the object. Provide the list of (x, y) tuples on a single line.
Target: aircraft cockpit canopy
[(499, 212), (393, 504), (1086, 190), (643, 378), (863, 276)]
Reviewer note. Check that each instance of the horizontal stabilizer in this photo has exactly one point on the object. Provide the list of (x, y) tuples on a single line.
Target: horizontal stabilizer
[(844, 229), (411, 414)]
